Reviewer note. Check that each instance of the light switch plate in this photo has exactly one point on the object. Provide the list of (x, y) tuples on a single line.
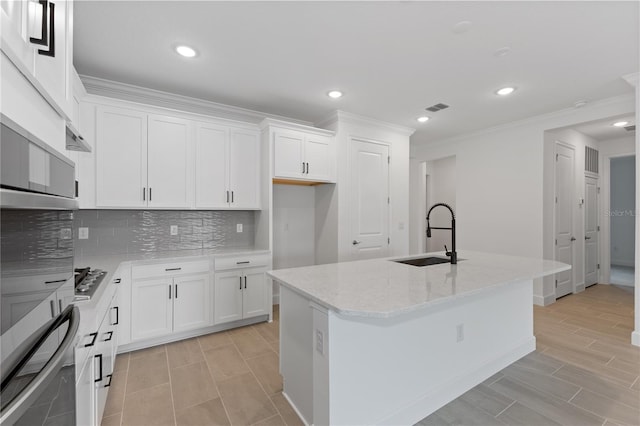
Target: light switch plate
[(174, 229), (83, 233), (239, 227)]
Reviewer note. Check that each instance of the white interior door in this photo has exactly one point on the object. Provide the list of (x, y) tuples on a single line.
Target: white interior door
[(564, 172), (590, 231), (370, 199)]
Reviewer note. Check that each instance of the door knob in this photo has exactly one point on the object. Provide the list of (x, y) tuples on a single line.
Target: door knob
[(587, 238), (573, 238), (356, 242)]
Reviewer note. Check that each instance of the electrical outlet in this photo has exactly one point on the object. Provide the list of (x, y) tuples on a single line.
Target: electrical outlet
[(459, 333), (239, 227), (83, 233), (174, 229), (319, 342)]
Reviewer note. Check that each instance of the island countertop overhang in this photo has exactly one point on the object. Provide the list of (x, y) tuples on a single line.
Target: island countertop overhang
[(381, 288)]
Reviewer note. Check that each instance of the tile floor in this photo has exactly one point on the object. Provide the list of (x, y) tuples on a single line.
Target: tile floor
[(584, 372), (226, 378)]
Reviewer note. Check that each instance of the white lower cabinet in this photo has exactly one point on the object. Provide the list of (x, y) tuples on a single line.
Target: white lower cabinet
[(240, 294), (95, 360), (168, 304)]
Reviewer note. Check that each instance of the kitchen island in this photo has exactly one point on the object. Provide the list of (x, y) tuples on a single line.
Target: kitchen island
[(381, 342)]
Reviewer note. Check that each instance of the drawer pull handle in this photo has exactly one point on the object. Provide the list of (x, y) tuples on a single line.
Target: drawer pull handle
[(232, 196), (117, 281), (93, 341), (176, 291), (55, 281), (245, 281), (169, 291), (240, 283), (99, 379), (108, 384), (244, 262), (53, 308), (110, 335), (173, 269), (117, 315)]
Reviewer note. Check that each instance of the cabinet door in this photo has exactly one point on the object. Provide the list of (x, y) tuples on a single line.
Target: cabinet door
[(287, 154), (317, 154), (151, 308), (14, 26), (103, 366), (228, 297), (168, 154), (191, 302), (121, 158), (52, 71), (254, 299), (212, 166), (85, 394), (244, 161)]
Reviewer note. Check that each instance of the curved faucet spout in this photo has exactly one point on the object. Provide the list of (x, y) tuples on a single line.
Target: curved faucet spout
[(453, 254)]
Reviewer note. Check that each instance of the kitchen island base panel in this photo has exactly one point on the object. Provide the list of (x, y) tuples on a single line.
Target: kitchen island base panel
[(340, 369)]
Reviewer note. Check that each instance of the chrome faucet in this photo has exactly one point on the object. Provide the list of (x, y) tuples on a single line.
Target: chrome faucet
[(452, 253)]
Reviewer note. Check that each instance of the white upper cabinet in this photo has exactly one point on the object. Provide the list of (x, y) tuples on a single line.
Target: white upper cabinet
[(168, 153), (212, 166), (303, 155), (227, 167), (39, 42), (121, 158), (244, 169)]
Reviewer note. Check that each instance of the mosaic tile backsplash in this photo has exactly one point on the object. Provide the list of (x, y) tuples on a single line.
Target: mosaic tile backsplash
[(140, 231)]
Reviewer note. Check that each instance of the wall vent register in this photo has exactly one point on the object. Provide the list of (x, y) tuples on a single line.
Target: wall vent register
[(591, 160)]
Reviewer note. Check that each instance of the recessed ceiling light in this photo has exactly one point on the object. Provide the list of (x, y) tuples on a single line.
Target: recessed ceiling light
[(621, 123), (335, 94), (505, 91), (580, 103), (461, 27), (186, 51), (423, 119), (503, 51)]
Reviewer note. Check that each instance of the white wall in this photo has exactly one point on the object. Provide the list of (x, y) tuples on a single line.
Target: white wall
[(623, 189), (441, 188), (499, 196), (293, 226)]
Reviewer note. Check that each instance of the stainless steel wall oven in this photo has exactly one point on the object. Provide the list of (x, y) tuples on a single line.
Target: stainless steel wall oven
[(38, 323)]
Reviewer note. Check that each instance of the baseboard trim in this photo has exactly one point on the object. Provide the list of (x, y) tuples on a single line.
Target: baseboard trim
[(544, 300), (635, 338), (619, 262), (442, 395), (295, 408)]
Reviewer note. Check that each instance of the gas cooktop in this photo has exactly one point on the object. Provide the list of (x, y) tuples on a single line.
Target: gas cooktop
[(87, 282)]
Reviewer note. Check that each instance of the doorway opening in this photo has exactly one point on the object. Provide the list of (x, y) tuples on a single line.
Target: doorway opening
[(440, 187), (622, 189)]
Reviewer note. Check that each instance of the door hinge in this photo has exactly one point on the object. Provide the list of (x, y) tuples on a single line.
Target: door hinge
[(556, 200), (598, 227), (556, 241), (556, 283), (388, 200), (388, 241), (556, 157), (388, 159), (598, 266), (598, 190)]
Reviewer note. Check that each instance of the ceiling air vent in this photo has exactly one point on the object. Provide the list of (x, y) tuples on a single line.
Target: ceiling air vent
[(590, 160), (437, 107), (630, 128)]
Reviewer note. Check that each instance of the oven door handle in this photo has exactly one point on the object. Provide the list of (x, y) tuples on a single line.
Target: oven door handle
[(25, 399)]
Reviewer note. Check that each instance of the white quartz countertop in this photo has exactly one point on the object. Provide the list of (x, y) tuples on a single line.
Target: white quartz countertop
[(110, 263), (382, 288)]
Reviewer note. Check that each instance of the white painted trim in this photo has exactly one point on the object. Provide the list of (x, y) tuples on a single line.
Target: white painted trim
[(347, 117), (288, 125), (295, 408), (635, 338), (441, 395), (580, 288), (529, 120), (143, 95), (544, 301), (632, 78)]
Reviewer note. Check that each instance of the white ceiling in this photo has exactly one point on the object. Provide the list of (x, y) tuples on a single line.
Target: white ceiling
[(602, 130), (391, 59)]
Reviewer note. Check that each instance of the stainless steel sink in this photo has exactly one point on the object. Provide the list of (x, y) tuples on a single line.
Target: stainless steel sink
[(423, 261)]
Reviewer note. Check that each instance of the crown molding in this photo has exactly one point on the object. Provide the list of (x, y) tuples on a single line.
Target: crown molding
[(129, 92), (271, 122), (632, 78), (347, 117), (629, 97)]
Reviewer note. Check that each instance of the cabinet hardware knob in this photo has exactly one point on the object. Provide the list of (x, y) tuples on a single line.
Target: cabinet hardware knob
[(60, 305), (117, 281), (93, 341), (150, 193), (110, 335), (232, 196), (117, 315), (173, 269), (240, 283), (355, 242), (176, 291), (53, 309), (245, 281), (109, 376), (52, 33), (170, 291), (303, 167), (99, 379), (243, 262), (144, 194), (227, 196)]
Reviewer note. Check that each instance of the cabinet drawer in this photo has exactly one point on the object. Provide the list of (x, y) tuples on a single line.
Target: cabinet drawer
[(236, 262), (169, 269)]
